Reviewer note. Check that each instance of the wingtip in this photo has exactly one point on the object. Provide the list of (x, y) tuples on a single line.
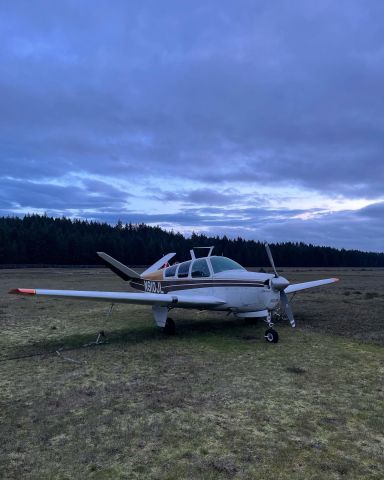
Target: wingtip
[(22, 291)]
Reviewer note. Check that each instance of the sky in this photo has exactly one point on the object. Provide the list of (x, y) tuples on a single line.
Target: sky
[(257, 119)]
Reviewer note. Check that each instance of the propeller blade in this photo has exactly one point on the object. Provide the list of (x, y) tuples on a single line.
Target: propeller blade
[(269, 253), (287, 308)]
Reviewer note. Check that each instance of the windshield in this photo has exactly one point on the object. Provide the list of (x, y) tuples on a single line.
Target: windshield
[(221, 264)]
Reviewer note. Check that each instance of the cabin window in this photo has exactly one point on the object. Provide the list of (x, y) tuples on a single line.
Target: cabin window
[(171, 271), (200, 268), (221, 264), (183, 269)]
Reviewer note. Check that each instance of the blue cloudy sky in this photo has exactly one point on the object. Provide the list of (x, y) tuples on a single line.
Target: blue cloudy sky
[(254, 118)]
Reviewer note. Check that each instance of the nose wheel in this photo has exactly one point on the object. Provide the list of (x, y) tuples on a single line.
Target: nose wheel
[(271, 336)]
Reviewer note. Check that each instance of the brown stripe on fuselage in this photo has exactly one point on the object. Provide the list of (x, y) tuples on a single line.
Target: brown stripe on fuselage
[(190, 283), (137, 284)]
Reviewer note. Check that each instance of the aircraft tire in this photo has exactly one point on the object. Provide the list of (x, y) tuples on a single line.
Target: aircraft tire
[(271, 336), (170, 327)]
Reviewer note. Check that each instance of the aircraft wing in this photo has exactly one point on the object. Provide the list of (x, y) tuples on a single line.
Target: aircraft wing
[(161, 299), (315, 283)]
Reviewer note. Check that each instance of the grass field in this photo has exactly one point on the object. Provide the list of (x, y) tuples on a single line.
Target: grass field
[(214, 402)]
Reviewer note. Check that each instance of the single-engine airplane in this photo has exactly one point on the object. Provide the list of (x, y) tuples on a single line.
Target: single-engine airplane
[(203, 283)]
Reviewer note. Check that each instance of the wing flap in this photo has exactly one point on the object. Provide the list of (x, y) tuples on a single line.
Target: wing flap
[(303, 286), (185, 301)]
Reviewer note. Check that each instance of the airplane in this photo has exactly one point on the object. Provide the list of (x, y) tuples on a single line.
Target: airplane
[(208, 282)]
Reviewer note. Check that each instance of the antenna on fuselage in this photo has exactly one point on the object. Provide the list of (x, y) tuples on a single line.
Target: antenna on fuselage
[(193, 256)]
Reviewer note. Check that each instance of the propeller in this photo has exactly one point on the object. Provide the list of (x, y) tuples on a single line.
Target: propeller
[(269, 253), (280, 283), (287, 308)]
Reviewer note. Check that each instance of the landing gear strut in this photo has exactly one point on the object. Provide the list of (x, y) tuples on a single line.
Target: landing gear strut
[(271, 336), (169, 327)]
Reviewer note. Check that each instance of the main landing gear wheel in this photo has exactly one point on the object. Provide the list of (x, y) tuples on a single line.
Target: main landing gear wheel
[(169, 328), (271, 336)]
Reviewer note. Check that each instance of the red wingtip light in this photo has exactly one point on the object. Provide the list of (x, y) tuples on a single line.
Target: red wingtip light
[(23, 291)]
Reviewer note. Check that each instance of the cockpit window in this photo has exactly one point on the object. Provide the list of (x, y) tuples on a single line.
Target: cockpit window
[(200, 268), (183, 269), (221, 264), (171, 271)]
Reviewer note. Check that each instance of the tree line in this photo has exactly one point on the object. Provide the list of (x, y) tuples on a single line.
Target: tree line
[(42, 240)]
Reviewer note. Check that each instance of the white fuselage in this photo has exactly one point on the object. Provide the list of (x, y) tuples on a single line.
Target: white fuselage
[(238, 289), (242, 291)]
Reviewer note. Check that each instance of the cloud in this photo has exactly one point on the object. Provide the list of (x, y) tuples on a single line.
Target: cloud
[(226, 100), (26, 194), (374, 211), (206, 196)]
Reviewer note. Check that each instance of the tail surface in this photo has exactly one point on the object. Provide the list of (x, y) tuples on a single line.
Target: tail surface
[(160, 263), (117, 267)]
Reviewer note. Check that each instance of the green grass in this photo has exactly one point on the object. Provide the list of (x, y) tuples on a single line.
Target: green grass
[(216, 401)]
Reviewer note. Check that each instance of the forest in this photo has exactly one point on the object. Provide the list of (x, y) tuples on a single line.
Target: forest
[(42, 240)]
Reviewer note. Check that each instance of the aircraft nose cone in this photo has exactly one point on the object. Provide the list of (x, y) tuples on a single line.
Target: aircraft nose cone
[(279, 283)]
